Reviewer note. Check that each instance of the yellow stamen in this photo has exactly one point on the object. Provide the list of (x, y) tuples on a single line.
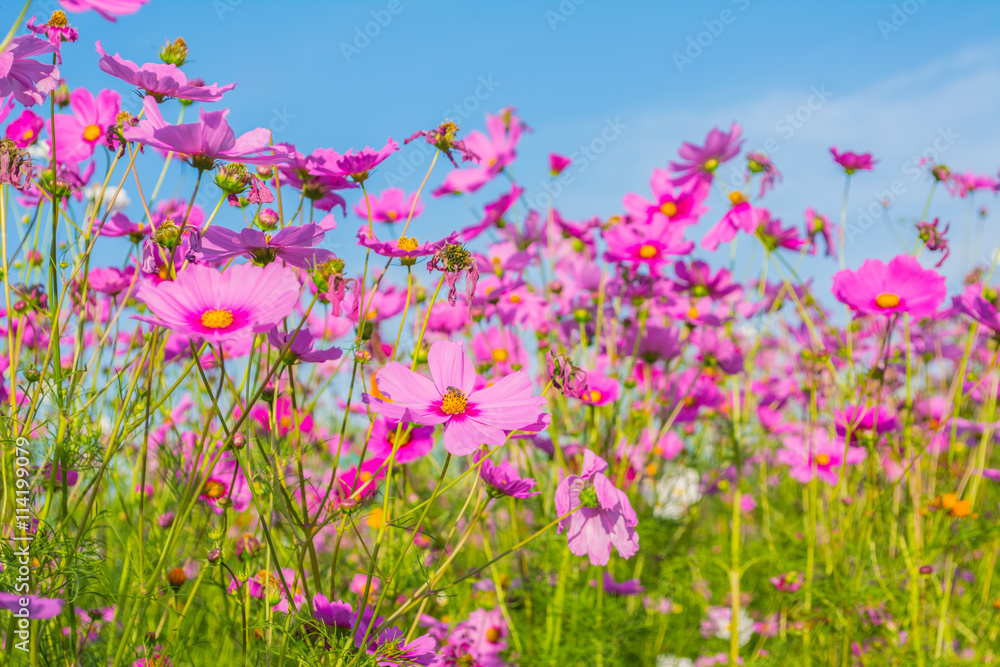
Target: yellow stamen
[(91, 132), (823, 459), (648, 251), (595, 395), (499, 355), (887, 300), (217, 318), (28, 134), (736, 197), (454, 402), (693, 313), (213, 489), (668, 208), (407, 243)]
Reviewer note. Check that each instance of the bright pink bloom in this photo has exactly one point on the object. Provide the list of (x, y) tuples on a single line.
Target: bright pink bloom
[(702, 161), (605, 517), (405, 249), (79, 133), (557, 163), (301, 347), (25, 129), (972, 303), (678, 205), (741, 216), (415, 442), (902, 286), (39, 608), (963, 184), (106, 8), (650, 243), (207, 141), (222, 306), (852, 162), (503, 479), (28, 80), (814, 454), (470, 416), (159, 80), (495, 152), (821, 225), (391, 205)]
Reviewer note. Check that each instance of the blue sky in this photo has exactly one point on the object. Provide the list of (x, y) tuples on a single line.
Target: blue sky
[(887, 77)]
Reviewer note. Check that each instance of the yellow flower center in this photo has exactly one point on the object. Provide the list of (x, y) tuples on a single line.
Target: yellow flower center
[(285, 422), (595, 395), (217, 318), (493, 635), (372, 314), (91, 132), (514, 298), (499, 355), (58, 19), (454, 401), (711, 163), (392, 215), (887, 300), (648, 251), (28, 134), (213, 489), (668, 208), (404, 438), (407, 243), (693, 313), (823, 459), (736, 197)]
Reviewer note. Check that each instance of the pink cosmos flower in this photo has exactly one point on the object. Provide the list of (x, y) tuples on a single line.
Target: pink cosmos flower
[(679, 205), (741, 216), (605, 517), (470, 416), (651, 243), (112, 280), (620, 588), (391, 205), (356, 164), (207, 141), (774, 236), (79, 133), (902, 286), (494, 212), (57, 30), (852, 162), (415, 442), (159, 80), (814, 454), (702, 161), (964, 184), (25, 129), (821, 225), (788, 582), (109, 9), (294, 245), (557, 163), (28, 80), (221, 306), (495, 152), (406, 249)]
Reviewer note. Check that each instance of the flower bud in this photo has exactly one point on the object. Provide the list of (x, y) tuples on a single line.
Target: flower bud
[(214, 556), (267, 219), (237, 441), (174, 53), (176, 577)]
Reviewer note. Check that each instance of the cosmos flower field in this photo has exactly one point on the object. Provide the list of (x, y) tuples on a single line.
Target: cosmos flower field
[(527, 440)]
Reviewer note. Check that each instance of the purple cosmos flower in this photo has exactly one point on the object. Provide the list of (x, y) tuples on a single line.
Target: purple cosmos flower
[(821, 225), (112, 280), (741, 216), (39, 608), (414, 442), (205, 142), (852, 162), (443, 138), (972, 303), (294, 245), (902, 286), (503, 479), (27, 79), (605, 517), (334, 614), (649, 243), (471, 417), (221, 306), (494, 152), (624, 588), (788, 582), (934, 238), (159, 80), (679, 205), (760, 163), (301, 348), (702, 161), (357, 164), (57, 31)]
